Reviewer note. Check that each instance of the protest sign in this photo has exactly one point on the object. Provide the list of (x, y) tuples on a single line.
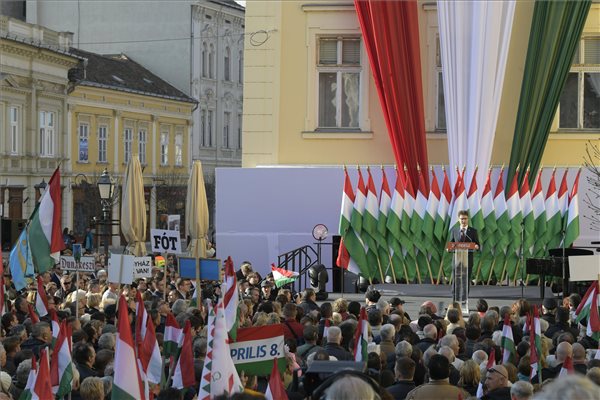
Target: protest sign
[(87, 264), (142, 267), (210, 268), (256, 347), (165, 241), (120, 269)]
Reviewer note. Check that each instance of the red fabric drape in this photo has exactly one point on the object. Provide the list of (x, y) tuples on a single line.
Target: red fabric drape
[(391, 35)]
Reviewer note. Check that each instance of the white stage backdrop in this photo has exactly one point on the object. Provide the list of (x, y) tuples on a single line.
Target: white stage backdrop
[(264, 212)]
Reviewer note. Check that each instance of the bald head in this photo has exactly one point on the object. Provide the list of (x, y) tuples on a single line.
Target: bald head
[(578, 352), (563, 350), (447, 352), (430, 331)]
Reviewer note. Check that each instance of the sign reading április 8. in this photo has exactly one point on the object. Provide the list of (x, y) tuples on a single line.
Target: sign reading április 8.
[(164, 241)]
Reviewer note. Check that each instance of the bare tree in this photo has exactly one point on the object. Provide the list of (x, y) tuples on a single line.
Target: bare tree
[(592, 197)]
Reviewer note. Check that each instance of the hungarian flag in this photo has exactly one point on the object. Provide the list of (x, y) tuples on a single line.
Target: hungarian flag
[(573, 214), (435, 246), (42, 389), (172, 336), (352, 253), (513, 204), (393, 224), (503, 224), (385, 201), (27, 393), (563, 198), (491, 363), (489, 230), (32, 315), (442, 220), (275, 389), (228, 381), (535, 334), (539, 215), (61, 363), (507, 342), (184, 377), (588, 309), (374, 238), (528, 217), (44, 229), (417, 227), (358, 223), (206, 377), (55, 326), (127, 383), (41, 302), (408, 244), (567, 367), (361, 338), (283, 276), (474, 200), (553, 216), (149, 355), (141, 319), (231, 299)]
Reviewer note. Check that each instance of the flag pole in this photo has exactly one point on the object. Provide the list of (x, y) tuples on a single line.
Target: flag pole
[(392, 267), (491, 271)]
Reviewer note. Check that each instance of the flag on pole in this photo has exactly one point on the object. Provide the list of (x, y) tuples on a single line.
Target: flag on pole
[(474, 201), (567, 367), (44, 228), (206, 377), (385, 201), (149, 355), (435, 246), (41, 301), (32, 315), (408, 244), (127, 383), (535, 333), (394, 226), (489, 230), (417, 227), (442, 220), (184, 377), (282, 276), (507, 342), (358, 223), (563, 199), (27, 393), (491, 363), (503, 224), (141, 319), (573, 214), (228, 380), (172, 336), (61, 363), (55, 327), (553, 216), (42, 389), (275, 389), (513, 205), (361, 338), (231, 299), (539, 215), (21, 261), (585, 306), (372, 238), (355, 258), (528, 217)]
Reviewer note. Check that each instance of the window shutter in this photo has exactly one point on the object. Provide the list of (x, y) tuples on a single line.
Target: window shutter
[(328, 51), (351, 51), (592, 50)]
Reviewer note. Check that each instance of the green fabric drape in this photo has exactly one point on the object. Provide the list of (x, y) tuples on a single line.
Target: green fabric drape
[(555, 32)]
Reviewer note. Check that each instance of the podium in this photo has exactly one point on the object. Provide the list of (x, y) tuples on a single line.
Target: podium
[(460, 271)]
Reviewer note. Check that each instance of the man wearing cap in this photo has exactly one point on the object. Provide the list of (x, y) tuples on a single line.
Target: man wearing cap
[(397, 304), (266, 291)]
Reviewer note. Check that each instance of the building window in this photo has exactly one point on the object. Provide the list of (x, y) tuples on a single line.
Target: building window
[(211, 62), (164, 148), (102, 143), (209, 129), (226, 124), (128, 142), (203, 140), (14, 129), (227, 66), (581, 94), (339, 72), (84, 133), (440, 105), (142, 140), (179, 149), (47, 128), (241, 67), (239, 131), (204, 55)]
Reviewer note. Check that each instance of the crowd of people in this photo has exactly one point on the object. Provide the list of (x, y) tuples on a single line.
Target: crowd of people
[(437, 354)]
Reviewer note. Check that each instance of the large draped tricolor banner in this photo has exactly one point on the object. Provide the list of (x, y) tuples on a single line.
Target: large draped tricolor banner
[(474, 42), (390, 31)]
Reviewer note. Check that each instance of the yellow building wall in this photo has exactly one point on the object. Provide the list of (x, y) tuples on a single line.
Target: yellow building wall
[(280, 90)]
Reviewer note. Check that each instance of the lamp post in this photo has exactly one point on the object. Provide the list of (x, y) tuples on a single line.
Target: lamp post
[(106, 187), (40, 189)]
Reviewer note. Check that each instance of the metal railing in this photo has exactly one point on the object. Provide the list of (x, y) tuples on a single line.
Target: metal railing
[(299, 260)]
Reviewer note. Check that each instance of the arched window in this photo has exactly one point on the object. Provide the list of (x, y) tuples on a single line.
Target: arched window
[(211, 62), (204, 55), (241, 67), (227, 58)]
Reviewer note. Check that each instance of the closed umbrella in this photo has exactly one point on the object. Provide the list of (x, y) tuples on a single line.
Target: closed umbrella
[(133, 209), (196, 212)]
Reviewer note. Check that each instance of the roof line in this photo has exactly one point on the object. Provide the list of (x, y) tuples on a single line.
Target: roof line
[(118, 88), (40, 45)]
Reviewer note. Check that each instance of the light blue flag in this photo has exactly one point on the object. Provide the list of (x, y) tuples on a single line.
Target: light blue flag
[(21, 262)]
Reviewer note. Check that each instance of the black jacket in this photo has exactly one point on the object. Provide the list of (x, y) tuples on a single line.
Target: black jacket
[(338, 352), (502, 393), (400, 389)]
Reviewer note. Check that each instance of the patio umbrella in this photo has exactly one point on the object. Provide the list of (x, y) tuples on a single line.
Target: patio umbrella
[(133, 209), (196, 212)]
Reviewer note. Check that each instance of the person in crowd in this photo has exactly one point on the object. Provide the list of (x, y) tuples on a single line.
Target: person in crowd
[(308, 303), (497, 384), (333, 348), (372, 296), (438, 386)]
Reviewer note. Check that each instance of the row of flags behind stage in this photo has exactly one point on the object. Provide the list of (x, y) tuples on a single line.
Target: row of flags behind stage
[(394, 231), (39, 244)]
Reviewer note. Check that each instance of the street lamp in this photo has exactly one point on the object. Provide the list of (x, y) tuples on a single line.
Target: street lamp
[(106, 187), (41, 188)]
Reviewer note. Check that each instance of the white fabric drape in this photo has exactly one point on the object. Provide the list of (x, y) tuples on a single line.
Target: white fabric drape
[(474, 41)]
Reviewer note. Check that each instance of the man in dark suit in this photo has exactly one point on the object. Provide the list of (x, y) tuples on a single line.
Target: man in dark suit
[(466, 234)]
